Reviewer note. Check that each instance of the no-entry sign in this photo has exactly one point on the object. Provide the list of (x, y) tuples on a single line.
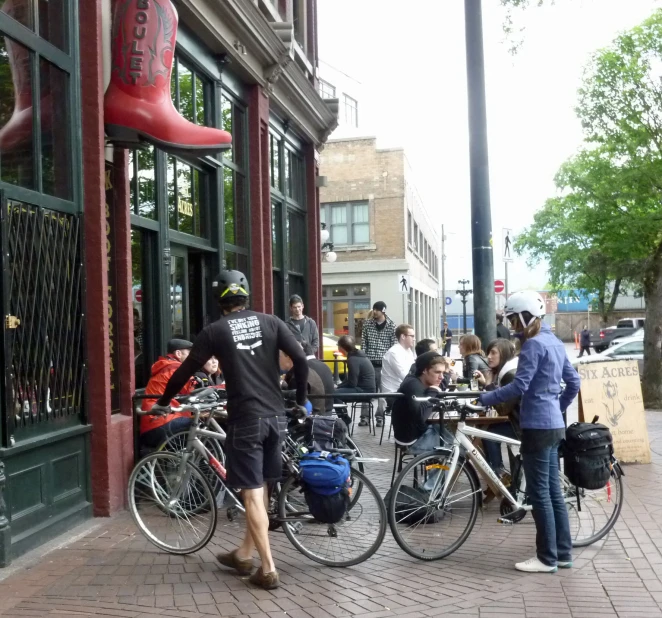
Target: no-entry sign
[(499, 286)]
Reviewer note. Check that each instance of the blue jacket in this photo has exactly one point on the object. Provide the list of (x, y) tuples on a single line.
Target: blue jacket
[(543, 363)]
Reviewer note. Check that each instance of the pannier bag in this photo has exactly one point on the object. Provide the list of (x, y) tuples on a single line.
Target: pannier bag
[(328, 432), (587, 452), (326, 478)]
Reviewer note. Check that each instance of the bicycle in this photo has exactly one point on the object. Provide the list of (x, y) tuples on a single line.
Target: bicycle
[(174, 506), (437, 495)]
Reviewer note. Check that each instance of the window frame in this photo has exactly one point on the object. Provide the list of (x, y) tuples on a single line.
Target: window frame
[(326, 210), (351, 104), (326, 88), (68, 62)]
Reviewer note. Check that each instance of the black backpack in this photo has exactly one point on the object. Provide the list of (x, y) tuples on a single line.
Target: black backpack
[(587, 452)]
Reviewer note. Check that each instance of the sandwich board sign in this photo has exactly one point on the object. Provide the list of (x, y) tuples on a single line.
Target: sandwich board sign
[(612, 392)]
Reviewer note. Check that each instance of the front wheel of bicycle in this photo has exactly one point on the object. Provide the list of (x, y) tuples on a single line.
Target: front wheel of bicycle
[(422, 524), (172, 504), (355, 538), (593, 513)]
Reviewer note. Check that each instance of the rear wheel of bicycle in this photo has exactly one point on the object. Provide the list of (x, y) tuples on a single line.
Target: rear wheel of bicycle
[(593, 512), (355, 538), (175, 511), (424, 526), (357, 488)]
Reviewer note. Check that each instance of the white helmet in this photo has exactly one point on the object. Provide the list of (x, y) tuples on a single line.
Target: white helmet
[(528, 301)]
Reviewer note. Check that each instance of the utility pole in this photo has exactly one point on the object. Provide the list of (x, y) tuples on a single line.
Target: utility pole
[(481, 217), (443, 274), (463, 293)]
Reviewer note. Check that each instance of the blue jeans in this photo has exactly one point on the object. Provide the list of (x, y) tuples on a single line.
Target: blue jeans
[(493, 452), (553, 540), (156, 437), (431, 439)]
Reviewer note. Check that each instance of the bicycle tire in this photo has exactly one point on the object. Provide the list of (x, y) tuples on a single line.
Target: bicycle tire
[(145, 484), (430, 517), (304, 518), (358, 465), (616, 478)]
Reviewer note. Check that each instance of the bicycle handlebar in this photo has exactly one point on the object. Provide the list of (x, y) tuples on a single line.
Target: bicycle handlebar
[(466, 404)]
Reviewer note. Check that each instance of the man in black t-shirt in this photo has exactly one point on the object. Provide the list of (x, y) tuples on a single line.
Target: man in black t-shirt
[(247, 344)]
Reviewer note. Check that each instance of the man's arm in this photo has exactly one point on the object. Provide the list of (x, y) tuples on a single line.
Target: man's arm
[(288, 344), (364, 339), (572, 384), (526, 369), (352, 372), (315, 337), (402, 362)]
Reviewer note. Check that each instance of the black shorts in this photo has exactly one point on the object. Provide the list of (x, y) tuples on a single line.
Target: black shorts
[(253, 451)]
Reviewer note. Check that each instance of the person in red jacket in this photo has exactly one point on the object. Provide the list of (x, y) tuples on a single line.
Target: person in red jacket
[(155, 430)]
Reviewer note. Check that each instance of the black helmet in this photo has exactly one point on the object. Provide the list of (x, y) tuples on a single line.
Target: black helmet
[(230, 284)]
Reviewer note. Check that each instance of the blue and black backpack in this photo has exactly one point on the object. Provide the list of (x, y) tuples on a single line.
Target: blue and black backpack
[(326, 478)]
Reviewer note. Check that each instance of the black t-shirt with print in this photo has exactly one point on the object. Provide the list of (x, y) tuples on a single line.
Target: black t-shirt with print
[(246, 344)]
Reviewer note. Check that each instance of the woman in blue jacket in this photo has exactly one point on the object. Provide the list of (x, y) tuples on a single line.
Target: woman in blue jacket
[(543, 364)]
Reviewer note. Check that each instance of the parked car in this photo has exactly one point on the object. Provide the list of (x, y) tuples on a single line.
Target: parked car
[(638, 334), (624, 328), (626, 348)]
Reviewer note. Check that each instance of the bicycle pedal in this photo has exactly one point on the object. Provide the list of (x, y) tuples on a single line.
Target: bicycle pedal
[(513, 517), (502, 520)]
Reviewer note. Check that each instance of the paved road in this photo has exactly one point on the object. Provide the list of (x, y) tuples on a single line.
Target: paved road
[(112, 571)]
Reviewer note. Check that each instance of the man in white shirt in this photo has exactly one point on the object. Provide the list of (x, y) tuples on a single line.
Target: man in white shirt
[(398, 360)]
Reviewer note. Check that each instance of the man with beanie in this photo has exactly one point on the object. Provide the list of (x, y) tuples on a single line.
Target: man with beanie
[(378, 338), (410, 417)]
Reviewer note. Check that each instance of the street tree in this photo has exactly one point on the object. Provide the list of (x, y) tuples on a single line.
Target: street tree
[(613, 190)]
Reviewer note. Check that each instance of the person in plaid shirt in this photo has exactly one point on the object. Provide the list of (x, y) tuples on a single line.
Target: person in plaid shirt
[(378, 337)]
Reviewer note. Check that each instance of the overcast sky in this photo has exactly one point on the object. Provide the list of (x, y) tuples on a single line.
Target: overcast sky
[(409, 58)]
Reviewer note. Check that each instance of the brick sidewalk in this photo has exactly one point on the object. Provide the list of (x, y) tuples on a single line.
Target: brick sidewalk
[(112, 571)]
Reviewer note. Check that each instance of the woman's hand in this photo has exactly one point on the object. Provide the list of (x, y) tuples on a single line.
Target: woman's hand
[(480, 378)]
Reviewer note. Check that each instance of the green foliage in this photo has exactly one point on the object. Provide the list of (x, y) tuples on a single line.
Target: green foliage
[(606, 224)]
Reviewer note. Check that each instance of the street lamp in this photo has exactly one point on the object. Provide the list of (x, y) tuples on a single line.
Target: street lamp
[(326, 246), (462, 294)]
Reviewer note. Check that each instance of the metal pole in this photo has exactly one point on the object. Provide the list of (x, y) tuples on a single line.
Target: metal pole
[(443, 274), (481, 218), (464, 315), (506, 281)]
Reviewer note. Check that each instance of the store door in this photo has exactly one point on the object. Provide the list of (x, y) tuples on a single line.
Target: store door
[(179, 294), (43, 431), (189, 289)]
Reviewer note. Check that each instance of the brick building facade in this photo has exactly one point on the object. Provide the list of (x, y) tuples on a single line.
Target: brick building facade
[(108, 252), (380, 230)]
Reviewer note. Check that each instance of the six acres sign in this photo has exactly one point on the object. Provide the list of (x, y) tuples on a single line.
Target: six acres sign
[(612, 392)]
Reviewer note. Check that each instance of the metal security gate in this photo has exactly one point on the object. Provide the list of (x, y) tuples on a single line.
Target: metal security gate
[(44, 446)]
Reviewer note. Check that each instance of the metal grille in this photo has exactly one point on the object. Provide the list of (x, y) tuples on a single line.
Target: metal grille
[(43, 271)]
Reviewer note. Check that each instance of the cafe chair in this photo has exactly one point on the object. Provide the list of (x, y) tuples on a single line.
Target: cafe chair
[(387, 412)]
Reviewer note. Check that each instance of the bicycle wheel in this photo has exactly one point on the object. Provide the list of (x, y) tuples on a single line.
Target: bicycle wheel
[(593, 513), (174, 511), (357, 488), (177, 443), (423, 525), (355, 538)]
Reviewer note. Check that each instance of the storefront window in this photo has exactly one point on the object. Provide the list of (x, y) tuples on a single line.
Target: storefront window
[(188, 93), (186, 198), (16, 154), (142, 182), (52, 18), (55, 132), (346, 314)]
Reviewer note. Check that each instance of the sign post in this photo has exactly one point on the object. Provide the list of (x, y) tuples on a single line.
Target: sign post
[(612, 391), (507, 235)]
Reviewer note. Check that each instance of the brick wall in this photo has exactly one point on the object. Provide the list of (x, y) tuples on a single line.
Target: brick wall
[(356, 170)]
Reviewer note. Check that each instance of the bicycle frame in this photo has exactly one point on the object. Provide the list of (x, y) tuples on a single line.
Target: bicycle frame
[(463, 444)]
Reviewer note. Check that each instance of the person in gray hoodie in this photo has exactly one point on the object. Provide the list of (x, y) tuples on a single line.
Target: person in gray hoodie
[(302, 327)]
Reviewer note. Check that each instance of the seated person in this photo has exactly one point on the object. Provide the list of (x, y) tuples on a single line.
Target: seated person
[(502, 359), (209, 376), (429, 345), (315, 384), (360, 372), (473, 357), (398, 359), (155, 430), (325, 374), (409, 417), (425, 345)]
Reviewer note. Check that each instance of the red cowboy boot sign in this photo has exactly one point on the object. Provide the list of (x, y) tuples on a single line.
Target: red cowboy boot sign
[(138, 108)]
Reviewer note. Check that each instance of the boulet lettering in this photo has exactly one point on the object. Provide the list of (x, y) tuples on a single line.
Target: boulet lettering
[(139, 31)]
